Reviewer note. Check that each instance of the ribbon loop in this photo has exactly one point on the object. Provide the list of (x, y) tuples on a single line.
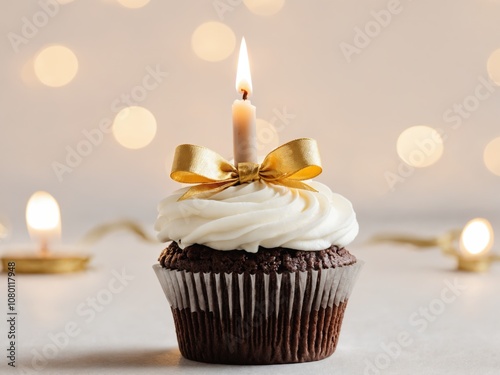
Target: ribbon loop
[(197, 165), (286, 165), (295, 160)]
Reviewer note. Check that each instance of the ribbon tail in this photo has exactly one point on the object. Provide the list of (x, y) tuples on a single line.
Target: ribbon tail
[(207, 190)]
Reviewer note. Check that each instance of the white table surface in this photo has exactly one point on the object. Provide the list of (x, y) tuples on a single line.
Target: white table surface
[(134, 332)]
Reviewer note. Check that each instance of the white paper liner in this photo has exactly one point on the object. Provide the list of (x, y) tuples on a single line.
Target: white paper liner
[(196, 291)]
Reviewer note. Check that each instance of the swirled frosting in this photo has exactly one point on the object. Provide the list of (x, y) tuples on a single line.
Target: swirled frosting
[(247, 216)]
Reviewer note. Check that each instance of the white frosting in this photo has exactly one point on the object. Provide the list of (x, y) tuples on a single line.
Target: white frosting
[(247, 216)]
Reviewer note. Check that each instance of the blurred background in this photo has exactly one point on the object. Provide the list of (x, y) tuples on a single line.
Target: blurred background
[(402, 97)]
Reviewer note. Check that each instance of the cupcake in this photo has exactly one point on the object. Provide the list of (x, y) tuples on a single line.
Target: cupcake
[(257, 273)]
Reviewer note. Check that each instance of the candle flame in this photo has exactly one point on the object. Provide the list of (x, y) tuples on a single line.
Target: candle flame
[(243, 76), (477, 237), (43, 217)]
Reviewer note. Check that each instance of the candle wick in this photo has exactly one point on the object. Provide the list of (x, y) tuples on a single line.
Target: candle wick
[(245, 94), (44, 247)]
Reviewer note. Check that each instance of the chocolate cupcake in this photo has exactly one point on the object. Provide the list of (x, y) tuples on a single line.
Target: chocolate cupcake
[(257, 273)]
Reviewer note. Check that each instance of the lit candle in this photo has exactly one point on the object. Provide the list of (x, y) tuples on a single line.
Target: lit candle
[(476, 239), (43, 218), (244, 133)]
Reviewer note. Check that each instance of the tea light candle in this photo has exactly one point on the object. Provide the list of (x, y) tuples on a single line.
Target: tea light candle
[(471, 246), (476, 241), (43, 219)]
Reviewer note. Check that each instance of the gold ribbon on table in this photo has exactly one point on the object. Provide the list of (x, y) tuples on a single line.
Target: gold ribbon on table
[(286, 165)]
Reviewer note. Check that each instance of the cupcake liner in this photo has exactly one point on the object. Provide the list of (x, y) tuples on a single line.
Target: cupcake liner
[(258, 318), (199, 291)]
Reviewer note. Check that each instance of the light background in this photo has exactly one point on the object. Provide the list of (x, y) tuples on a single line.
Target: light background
[(429, 57)]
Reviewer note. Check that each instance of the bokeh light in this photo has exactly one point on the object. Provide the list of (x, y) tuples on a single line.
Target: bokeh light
[(133, 4), (491, 156), (56, 66), (493, 66), (420, 146), (213, 41), (267, 137), (134, 127), (264, 7)]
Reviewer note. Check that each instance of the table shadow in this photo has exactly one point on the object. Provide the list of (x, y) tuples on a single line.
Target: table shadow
[(121, 358), (114, 358)]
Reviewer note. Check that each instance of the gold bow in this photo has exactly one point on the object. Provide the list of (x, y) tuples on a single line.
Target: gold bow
[(286, 165)]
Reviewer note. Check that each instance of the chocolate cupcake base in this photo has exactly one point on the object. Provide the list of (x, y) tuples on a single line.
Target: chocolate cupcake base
[(261, 318), (261, 340)]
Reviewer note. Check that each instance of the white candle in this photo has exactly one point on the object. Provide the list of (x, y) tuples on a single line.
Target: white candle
[(244, 134)]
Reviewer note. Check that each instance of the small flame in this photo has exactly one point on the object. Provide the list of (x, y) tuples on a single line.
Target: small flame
[(477, 237), (243, 76), (43, 218)]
